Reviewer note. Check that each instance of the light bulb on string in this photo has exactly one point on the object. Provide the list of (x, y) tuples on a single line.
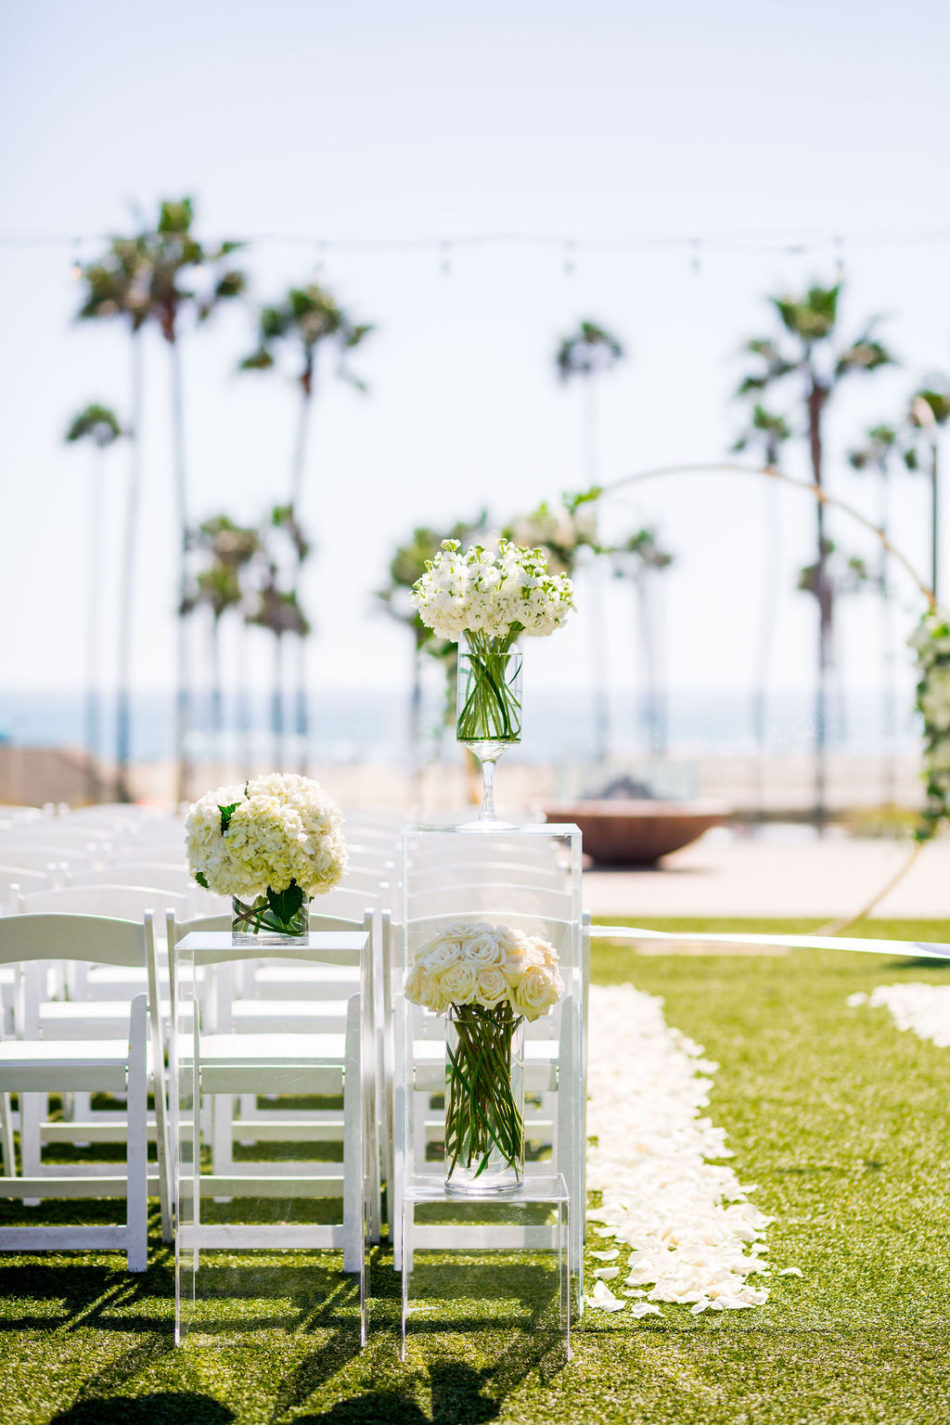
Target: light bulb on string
[(570, 258), (696, 256), (838, 247), (445, 262), (75, 267), (320, 260)]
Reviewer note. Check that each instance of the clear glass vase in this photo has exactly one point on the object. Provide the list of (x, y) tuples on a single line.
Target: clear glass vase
[(489, 704), (269, 920), (484, 1099)]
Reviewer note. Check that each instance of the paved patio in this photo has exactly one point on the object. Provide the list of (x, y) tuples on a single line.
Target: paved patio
[(731, 874)]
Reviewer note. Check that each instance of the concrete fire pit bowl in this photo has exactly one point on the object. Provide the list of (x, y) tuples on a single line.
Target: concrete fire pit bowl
[(621, 832)]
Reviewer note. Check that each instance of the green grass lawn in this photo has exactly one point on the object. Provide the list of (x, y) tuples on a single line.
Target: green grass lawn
[(841, 1121)]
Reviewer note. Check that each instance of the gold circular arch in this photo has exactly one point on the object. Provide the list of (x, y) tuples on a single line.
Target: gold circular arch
[(734, 467)]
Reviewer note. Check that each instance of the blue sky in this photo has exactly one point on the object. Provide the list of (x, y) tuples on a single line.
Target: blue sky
[(372, 121)]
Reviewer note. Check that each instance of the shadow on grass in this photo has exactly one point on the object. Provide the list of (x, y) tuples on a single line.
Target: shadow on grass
[(163, 1408), (88, 1295)]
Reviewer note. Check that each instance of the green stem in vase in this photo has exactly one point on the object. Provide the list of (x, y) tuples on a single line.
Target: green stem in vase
[(481, 1114), (491, 706), (282, 912)]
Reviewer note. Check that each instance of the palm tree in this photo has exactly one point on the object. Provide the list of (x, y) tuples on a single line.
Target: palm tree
[(765, 435), (587, 354), (641, 559), (809, 354), (157, 277), (928, 412), (278, 611), (116, 287), (875, 455), (99, 426), (305, 322), (219, 587), (406, 566), (231, 549)]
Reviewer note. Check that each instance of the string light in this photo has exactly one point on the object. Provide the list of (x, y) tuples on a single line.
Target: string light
[(696, 259), (839, 256), (75, 269), (831, 244)]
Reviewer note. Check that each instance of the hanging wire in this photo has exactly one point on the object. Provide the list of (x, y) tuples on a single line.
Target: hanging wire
[(738, 242)]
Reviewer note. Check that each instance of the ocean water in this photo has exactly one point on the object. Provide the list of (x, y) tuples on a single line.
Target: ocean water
[(373, 725)]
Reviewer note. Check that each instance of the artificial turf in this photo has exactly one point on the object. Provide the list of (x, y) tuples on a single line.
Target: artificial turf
[(838, 1118)]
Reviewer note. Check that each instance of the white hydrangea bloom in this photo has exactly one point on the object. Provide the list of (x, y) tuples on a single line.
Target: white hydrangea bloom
[(283, 828)]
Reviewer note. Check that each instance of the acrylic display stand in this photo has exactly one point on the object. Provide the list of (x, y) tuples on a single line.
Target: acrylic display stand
[(529, 878)]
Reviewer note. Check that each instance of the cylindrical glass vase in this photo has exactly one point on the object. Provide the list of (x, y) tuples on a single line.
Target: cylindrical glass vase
[(266, 921), (489, 703), (484, 1100)]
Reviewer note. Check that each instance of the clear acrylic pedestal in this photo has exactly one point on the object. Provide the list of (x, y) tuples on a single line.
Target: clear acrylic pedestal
[(522, 1251), (269, 1138), (509, 1269)]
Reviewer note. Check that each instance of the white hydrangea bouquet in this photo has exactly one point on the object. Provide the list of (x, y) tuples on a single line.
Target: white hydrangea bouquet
[(931, 643), (271, 844), (487, 980), (486, 601)]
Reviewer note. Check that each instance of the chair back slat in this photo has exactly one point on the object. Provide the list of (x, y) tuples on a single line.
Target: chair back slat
[(94, 938)]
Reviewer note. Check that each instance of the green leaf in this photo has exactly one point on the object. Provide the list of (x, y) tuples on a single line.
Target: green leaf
[(200, 878), (226, 815), (285, 904)]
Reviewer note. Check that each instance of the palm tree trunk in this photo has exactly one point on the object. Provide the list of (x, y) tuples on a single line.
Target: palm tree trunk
[(183, 687), (93, 623), (242, 710), (815, 403), (415, 719), (766, 641), (598, 610), (277, 703), (934, 521), (888, 666), (298, 468), (123, 711), (217, 699)]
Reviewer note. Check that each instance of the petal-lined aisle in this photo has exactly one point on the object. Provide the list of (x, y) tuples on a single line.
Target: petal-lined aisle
[(924, 1009), (666, 1194)]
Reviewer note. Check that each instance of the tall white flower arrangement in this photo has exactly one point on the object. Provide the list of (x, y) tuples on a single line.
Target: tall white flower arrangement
[(500, 593)]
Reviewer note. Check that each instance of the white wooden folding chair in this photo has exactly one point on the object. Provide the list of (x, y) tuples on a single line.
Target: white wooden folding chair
[(270, 995), (212, 1064), (30, 1065), (154, 875)]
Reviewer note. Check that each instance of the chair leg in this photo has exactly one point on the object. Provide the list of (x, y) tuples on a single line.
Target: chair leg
[(6, 1136), (137, 1136), (33, 1107), (352, 1143)]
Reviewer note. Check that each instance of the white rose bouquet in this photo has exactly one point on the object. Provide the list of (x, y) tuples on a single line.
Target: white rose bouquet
[(488, 980), (271, 845), (931, 643), (490, 599)]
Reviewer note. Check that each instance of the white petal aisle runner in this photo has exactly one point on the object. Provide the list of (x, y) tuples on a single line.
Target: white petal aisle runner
[(924, 1009), (693, 1235)]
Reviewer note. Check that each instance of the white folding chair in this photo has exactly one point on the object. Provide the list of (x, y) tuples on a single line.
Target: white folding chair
[(213, 1064), (30, 1065), (271, 995)]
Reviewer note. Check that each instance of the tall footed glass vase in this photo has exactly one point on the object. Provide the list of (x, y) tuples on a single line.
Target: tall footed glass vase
[(489, 705)]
